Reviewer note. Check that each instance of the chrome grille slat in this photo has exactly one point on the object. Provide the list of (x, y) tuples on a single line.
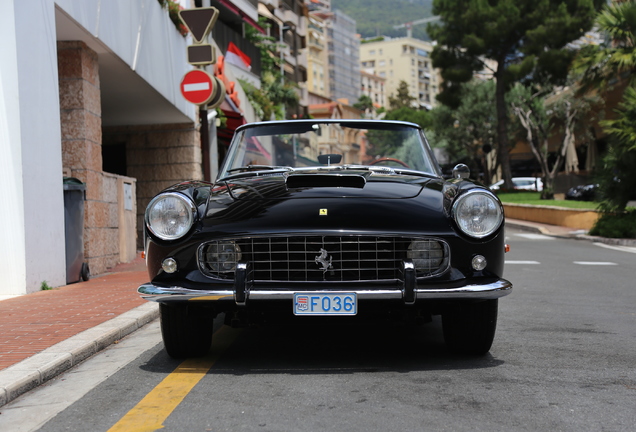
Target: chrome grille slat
[(363, 258)]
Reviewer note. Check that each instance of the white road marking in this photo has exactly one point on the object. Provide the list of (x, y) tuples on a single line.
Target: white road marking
[(617, 247), (522, 262), (595, 263), (534, 236)]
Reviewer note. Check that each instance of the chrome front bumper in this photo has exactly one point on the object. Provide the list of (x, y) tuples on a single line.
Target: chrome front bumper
[(485, 291)]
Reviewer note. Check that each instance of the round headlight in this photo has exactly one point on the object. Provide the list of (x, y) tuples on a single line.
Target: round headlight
[(427, 255), (478, 213), (222, 256), (170, 215)]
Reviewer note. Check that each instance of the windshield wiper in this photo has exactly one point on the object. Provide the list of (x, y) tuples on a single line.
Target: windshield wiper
[(257, 168)]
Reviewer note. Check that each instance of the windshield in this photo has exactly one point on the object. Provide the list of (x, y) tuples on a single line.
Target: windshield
[(297, 145)]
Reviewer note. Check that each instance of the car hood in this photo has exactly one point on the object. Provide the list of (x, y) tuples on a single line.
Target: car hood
[(396, 203), (325, 185)]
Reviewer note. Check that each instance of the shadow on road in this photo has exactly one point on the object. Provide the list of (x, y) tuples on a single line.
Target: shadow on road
[(315, 348)]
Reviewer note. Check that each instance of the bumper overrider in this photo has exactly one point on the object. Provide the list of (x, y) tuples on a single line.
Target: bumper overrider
[(409, 292)]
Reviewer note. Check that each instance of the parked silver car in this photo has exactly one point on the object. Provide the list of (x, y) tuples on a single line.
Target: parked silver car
[(525, 183)]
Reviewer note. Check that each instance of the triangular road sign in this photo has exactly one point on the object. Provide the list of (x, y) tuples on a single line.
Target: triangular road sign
[(199, 21)]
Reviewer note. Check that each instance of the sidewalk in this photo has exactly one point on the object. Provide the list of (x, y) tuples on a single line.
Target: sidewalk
[(46, 333)]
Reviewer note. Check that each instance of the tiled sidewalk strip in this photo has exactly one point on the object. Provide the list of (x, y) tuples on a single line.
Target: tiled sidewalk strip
[(36, 321), (39, 368)]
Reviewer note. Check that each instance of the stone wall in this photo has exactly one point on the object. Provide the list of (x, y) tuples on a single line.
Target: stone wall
[(81, 125), (158, 156)]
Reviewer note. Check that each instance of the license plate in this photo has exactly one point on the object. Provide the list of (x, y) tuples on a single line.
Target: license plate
[(325, 304)]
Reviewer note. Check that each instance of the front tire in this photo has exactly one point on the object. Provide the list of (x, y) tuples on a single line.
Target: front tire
[(186, 329), (469, 328)]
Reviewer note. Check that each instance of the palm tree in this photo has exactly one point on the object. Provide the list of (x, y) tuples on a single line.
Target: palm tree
[(600, 65)]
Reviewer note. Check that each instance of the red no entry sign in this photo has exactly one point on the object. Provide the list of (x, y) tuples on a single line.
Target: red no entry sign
[(197, 87)]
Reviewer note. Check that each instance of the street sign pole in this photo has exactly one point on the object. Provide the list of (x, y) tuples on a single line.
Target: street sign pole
[(198, 86)]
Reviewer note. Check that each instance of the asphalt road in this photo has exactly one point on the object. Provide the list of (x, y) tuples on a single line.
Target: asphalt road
[(563, 360)]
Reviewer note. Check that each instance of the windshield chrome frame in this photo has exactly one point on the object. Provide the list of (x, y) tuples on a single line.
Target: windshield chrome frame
[(362, 124)]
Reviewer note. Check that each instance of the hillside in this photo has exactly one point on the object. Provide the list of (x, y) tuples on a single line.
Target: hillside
[(377, 17)]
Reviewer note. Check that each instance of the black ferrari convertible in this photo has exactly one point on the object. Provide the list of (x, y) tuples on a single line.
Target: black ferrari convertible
[(332, 219)]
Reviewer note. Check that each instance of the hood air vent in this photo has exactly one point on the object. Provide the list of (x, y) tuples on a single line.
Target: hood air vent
[(324, 180)]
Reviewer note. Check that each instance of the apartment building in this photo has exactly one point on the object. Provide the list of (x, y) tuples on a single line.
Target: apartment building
[(288, 25), (374, 87), (403, 59), (343, 48), (317, 58)]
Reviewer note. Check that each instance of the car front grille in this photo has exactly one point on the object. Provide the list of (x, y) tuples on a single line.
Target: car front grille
[(324, 258)]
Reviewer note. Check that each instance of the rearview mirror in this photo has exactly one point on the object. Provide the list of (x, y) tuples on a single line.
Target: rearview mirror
[(328, 159)]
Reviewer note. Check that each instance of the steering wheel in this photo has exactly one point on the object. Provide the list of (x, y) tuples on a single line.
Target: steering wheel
[(388, 159)]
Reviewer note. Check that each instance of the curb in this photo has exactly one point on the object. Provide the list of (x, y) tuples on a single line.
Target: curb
[(51, 362), (545, 231), (525, 227)]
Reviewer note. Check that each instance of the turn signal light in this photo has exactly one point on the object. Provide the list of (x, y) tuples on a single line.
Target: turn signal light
[(506, 248)]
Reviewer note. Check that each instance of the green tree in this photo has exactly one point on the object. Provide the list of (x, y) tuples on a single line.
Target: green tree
[(269, 100), (600, 66), (403, 97), (275, 93), (467, 132), (419, 117), (524, 39), (618, 177), (364, 104), (559, 114), (401, 110)]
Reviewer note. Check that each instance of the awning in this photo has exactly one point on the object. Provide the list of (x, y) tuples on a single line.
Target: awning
[(230, 7), (592, 156), (234, 120), (262, 10)]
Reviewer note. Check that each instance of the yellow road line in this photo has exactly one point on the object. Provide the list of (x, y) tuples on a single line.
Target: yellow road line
[(150, 413)]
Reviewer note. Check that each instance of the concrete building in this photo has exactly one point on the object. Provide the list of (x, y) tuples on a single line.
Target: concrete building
[(342, 54), (317, 58), (403, 59), (89, 89), (344, 65), (288, 25), (374, 87)]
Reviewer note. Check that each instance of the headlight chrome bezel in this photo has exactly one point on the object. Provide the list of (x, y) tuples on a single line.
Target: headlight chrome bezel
[(492, 228), (189, 208)]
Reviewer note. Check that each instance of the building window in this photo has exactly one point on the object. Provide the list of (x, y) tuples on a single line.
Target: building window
[(372, 52)]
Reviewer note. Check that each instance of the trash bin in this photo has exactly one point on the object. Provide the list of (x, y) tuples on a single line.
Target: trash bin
[(74, 197)]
